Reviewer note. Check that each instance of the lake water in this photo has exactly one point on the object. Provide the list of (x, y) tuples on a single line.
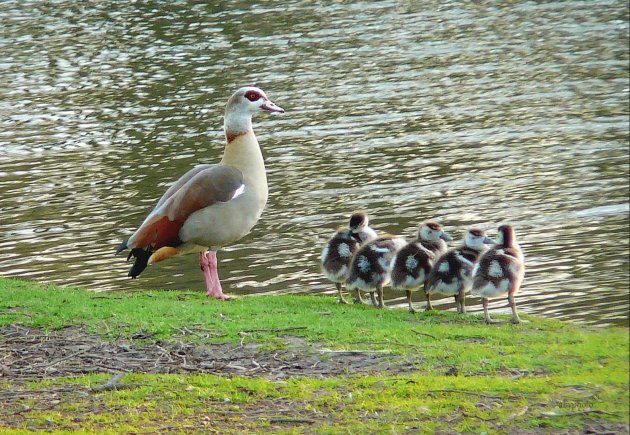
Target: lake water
[(464, 112)]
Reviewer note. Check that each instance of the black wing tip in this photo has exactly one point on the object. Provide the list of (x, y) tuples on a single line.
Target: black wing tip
[(141, 261)]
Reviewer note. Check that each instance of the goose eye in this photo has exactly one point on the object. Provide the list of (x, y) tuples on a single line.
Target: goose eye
[(252, 95)]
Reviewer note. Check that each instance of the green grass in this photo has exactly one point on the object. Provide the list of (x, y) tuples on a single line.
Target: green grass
[(568, 376)]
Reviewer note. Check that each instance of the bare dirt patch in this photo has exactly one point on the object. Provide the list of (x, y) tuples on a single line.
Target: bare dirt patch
[(28, 353)]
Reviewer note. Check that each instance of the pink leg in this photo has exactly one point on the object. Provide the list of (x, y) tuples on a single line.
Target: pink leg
[(208, 264)]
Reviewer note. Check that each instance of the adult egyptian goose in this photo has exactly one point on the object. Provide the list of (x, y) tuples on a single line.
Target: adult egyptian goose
[(452, 272), (371, 265), (338, 251), (210, 206), (500, 271), (412, 263)]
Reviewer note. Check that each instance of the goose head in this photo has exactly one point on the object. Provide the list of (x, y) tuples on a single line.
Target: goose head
[(242, 105), (476, 238)]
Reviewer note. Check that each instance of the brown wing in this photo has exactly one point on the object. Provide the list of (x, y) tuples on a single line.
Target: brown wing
[(182, 180), (204, 188)]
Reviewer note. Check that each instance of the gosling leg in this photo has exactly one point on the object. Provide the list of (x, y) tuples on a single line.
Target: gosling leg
[(461, 308), (373, 299), (379, 293), (411, 308), (342, 300), (486, 316), (429, 306), (515, 319)]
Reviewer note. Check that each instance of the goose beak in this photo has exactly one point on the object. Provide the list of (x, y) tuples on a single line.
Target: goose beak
[(270, 106), (489, 241), (445, 237)]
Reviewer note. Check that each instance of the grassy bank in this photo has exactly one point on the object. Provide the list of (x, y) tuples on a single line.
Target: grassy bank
[(352, 368)]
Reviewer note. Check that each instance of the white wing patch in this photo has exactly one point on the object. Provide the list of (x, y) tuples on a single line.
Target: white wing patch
[(495, 270), (411, 263), (363, 264), (238, 192), (444, 267), (344, 250)]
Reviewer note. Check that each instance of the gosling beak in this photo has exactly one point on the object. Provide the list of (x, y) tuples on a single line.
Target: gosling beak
[(270, 106)]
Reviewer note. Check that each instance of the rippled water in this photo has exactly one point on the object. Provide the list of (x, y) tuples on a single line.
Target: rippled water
[(466, 112)]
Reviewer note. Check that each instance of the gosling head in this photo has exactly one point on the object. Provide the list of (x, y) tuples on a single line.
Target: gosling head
[(358, 225), (506, 236), (431, 231), (476, 239)]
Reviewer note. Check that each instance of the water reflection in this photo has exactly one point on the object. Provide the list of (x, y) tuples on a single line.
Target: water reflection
[(470, 113)]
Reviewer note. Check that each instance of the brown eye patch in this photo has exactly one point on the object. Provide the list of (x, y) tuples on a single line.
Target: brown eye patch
[(476, 232), (252, 95), (434, 226)]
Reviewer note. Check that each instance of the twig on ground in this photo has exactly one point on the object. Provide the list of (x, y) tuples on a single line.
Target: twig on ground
[(290, 328), (471, 393), (286, 420), (423, 333), (60, 360), (112, 384)]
